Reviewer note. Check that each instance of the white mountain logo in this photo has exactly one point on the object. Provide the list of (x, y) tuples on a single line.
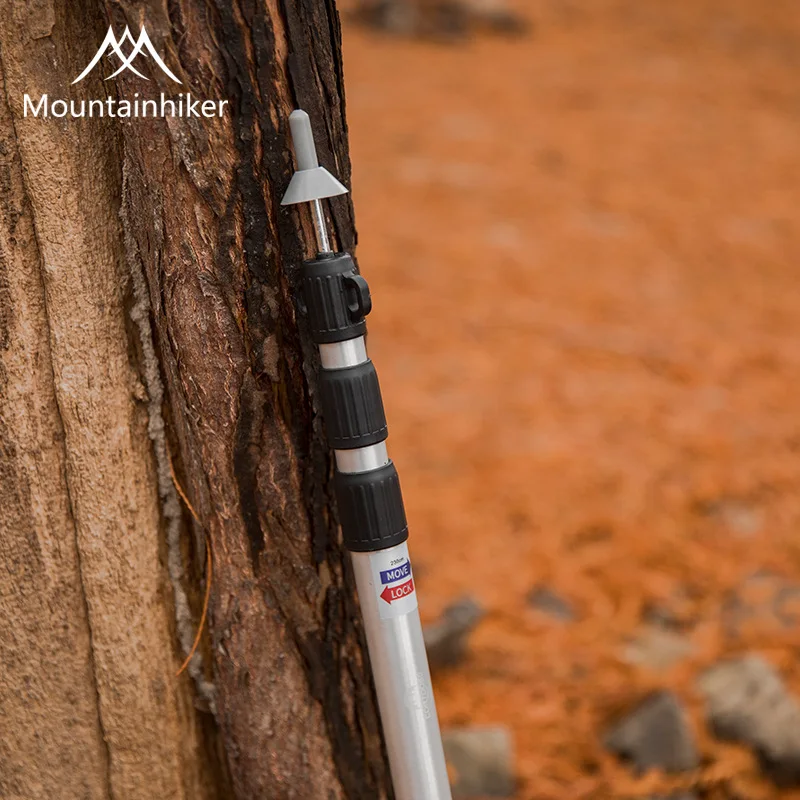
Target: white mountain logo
[(115, 46)]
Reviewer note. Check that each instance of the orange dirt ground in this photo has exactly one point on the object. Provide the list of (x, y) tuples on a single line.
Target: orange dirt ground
[(585, 259)]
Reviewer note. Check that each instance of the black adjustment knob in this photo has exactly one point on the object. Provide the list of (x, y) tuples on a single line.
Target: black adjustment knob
[(352, 406), (336, 298), (371, 509)]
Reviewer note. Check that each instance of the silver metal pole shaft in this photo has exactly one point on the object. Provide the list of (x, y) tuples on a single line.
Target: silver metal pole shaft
[(320, 229), (394, 637), (403, 684)]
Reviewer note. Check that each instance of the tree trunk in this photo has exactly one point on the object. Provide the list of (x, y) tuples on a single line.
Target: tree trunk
[(149, 347)]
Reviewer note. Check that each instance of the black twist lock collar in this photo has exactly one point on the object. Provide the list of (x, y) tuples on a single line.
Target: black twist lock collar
[(336, 298)]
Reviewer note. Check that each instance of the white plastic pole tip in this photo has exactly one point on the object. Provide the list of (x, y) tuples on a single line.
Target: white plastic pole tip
[(311, 181)]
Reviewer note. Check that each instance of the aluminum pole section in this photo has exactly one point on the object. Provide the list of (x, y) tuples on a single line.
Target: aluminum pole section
[(373, 519)]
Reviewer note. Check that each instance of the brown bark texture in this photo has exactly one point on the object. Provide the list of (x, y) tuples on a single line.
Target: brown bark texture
[(149, 341)]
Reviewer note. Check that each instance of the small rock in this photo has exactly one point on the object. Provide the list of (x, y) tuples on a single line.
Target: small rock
[(655, 734), (764, 600), (747, 702), (448, 20), (662, 616), (480, 761), (740, 517), (656, 648), (547, 601), (446, 640)]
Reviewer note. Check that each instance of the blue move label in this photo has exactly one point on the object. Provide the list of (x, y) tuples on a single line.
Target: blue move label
[(396, 573)]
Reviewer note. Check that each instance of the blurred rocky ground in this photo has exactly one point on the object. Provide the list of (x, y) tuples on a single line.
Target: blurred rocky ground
[(582, 241)]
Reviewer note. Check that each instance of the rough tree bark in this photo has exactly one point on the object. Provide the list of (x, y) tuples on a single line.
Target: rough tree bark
[(148, 337)]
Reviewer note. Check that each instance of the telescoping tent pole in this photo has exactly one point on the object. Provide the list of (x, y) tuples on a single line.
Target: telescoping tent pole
[(374, 527)]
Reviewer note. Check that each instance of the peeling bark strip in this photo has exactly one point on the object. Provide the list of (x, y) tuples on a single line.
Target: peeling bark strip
[(171, 509), (156, 315)]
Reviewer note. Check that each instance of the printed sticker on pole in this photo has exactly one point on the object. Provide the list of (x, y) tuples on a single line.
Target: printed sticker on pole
[(393, 581)]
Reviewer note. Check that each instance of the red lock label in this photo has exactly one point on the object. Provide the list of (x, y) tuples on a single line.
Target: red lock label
[(391, 593)]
